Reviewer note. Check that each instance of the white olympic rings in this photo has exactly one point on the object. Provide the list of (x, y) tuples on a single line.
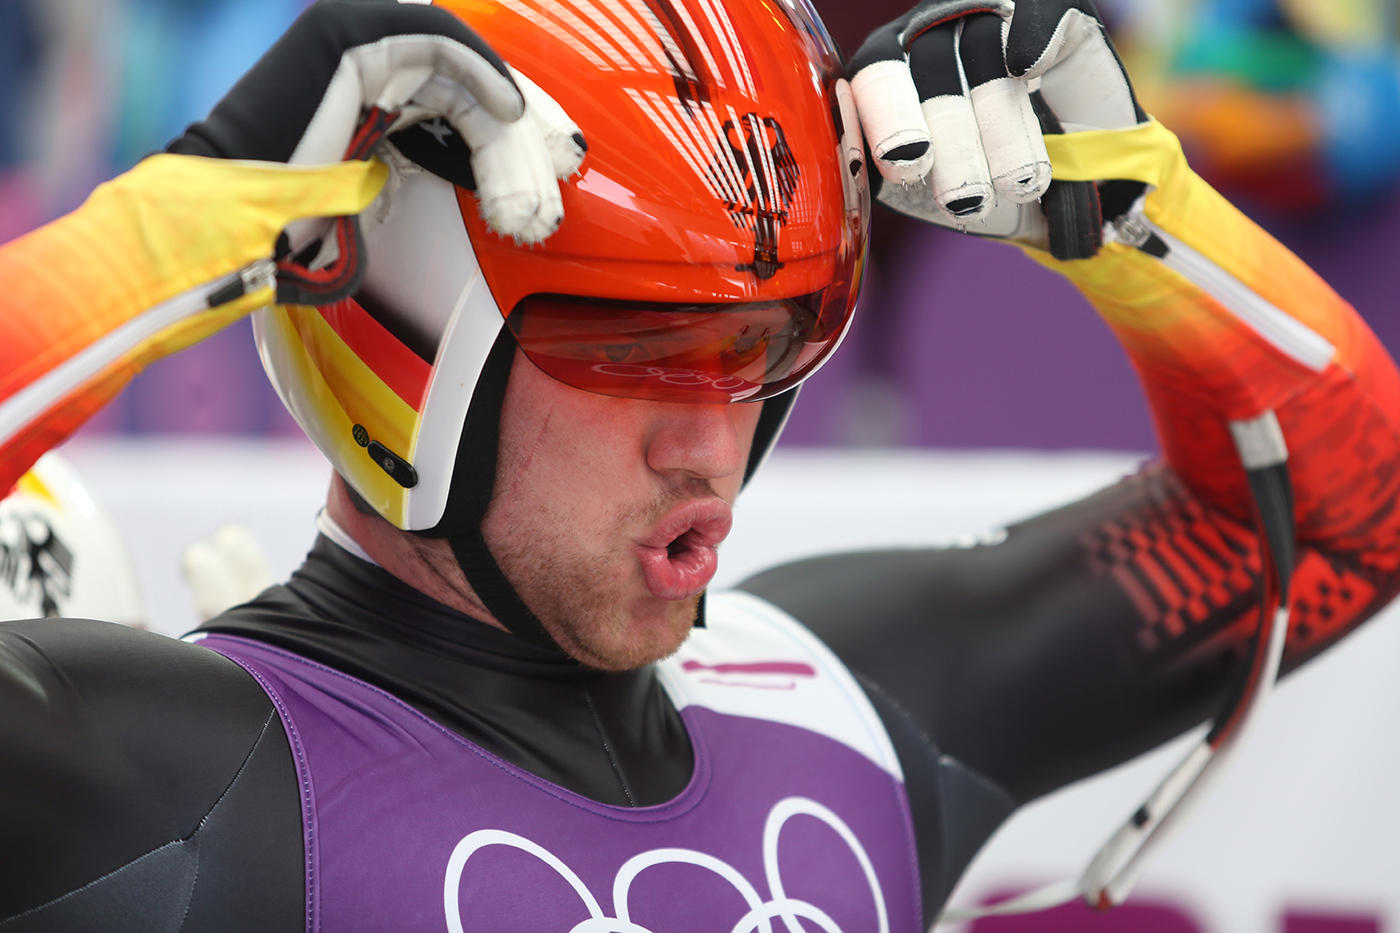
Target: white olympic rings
[(760, 913)]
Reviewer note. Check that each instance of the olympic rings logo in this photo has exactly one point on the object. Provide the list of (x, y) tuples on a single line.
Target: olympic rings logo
[(674, 377), (757, 919)]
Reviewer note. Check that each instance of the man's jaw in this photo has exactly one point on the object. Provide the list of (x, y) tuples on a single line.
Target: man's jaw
[(677, 553)]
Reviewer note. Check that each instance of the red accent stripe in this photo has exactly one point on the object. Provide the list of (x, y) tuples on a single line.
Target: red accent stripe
[(370, 131), (788, 668), (402, 370)]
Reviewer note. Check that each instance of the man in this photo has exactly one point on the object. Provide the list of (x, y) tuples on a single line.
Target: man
[(480, 704)]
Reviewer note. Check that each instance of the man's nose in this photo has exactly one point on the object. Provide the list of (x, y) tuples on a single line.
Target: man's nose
[(709, 441)]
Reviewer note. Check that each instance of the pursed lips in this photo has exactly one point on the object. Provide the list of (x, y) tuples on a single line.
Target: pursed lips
[(677, 554)]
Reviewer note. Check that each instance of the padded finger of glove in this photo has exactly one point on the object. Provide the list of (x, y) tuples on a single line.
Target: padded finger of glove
[(516, 186), (1015, 150), (514, 168), (561, 135), (961, 182), (888, 104)]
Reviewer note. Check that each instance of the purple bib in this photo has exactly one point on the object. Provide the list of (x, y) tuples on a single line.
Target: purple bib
[(795, 818)]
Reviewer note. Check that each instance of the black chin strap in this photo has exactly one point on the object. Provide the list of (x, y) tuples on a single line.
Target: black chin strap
[(473, 479), (493, 589)]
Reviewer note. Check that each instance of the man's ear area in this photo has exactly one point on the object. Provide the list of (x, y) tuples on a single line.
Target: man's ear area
[(340, 491), (357, 518)]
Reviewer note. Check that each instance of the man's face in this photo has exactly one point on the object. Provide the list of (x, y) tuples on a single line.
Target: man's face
[(607, 511)]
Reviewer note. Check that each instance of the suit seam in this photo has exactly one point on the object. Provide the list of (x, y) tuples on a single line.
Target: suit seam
[(607, 748), (179, 840)]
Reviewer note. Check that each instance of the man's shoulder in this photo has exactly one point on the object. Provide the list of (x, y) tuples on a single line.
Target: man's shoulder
[(61, 666), (105, 704), (116, 743), (744, 628)]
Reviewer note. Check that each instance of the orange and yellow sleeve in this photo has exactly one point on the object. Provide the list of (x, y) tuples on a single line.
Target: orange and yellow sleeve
[(1224, 323), (155, 260)]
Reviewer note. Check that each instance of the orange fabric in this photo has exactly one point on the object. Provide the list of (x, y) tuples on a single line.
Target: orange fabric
[(1191, 565), (171, 226), (747, 146)]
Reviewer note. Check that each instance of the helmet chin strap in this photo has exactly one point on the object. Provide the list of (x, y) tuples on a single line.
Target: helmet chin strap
[(495, 591), (474, 478)]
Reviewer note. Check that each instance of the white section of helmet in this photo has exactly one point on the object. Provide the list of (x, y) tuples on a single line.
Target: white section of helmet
[(60, 552), (437, 301), (447, 300)]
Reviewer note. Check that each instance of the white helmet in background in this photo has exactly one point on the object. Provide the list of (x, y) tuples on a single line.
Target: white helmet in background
[(61, 554)]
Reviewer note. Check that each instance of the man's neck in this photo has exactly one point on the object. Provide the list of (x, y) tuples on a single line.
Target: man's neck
[(426, 564), (332, 529)]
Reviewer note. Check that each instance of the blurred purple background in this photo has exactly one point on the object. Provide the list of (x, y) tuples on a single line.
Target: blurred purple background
[(958, 343)]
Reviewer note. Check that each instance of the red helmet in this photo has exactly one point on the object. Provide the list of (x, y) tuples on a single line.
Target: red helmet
[(712, 242), (711, 247)]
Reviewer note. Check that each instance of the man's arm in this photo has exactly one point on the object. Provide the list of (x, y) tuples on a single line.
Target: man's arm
[(1095, 632), (224, 222), (157, 259), (143, 779)]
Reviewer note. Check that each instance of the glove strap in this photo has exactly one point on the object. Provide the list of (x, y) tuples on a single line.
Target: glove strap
[(297, 283)]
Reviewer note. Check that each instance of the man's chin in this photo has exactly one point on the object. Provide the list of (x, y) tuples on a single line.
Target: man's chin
[(649, 634)]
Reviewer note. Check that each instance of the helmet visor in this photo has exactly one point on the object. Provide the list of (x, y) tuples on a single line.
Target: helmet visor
[(739, 351)]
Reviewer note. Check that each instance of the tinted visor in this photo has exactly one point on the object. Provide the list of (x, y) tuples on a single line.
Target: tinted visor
[(742, 351)]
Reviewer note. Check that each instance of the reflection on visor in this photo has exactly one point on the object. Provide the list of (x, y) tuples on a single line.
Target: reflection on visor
[(685, 352)]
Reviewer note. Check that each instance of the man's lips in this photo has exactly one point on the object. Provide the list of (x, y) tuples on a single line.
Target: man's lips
[(678, 553)]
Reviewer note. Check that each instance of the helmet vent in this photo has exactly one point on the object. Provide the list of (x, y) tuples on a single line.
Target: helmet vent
[(399, 469)]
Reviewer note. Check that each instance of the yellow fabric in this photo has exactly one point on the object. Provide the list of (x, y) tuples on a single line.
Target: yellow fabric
[(31, 485), (1148, 152), (1183, 204), (171, 225), (1201, 360)]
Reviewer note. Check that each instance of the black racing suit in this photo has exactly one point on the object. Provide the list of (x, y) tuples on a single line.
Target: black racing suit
[(147, 783)]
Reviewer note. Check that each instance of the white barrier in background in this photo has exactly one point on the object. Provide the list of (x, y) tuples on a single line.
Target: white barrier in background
[(1307, 819)]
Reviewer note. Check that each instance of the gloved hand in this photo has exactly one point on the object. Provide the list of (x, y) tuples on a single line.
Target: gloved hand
[(179, 247), (349, 72), (225, 569), (955, 97)]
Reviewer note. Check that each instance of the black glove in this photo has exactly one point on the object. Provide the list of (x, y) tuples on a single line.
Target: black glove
[(349, 72), (954, 97)]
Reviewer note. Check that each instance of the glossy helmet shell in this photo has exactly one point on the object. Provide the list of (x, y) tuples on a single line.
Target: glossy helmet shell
[(723, 164)]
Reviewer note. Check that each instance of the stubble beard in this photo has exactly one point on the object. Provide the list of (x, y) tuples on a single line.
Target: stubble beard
[(579, 601)]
